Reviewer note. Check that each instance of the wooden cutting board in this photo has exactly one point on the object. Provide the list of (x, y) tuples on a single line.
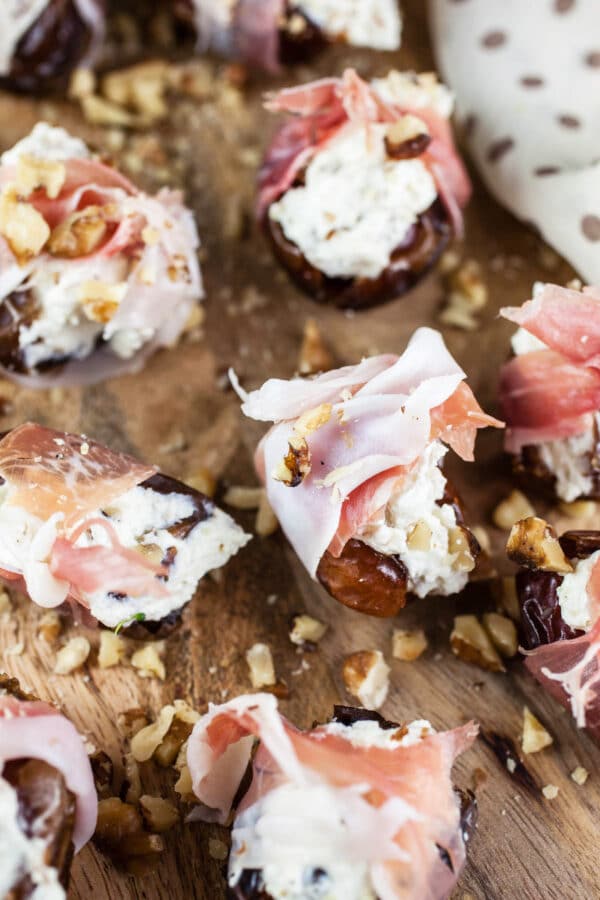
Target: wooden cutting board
[(179, 414)]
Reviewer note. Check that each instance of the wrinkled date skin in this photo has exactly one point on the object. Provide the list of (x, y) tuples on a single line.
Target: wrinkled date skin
[(365, 580), (409, 263), (529, 469), (51, 49), (541, 619)]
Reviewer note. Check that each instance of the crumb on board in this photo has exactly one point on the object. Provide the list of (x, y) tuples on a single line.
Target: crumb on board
[(305, 629), (148, 662), (261, 666), (470, 642), (535, 737), (408, 645), (514, 507), (550, 791), (112, 649), (49, 626), (367, 677), (580, 775), (72, 656)]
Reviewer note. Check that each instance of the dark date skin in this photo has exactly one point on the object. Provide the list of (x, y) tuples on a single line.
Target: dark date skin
[(531, 472), (50, 50), (424, 244), (541, 619)]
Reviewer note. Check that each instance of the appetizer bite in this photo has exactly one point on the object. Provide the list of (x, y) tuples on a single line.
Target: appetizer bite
[(550, 391), (359, 807), (266, 33), (47, 796), (95, 275), (43, 41), (362, 190), (353, 471), (558, 587), (83, 523)]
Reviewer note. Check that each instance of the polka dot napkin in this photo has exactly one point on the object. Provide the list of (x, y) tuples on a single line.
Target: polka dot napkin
[(526, 74)]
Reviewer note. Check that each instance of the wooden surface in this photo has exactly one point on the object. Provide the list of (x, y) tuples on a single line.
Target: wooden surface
[(178, 414)]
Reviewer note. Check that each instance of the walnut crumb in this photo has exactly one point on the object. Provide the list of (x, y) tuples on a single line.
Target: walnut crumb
[(550, 791), (408, 645), (112, 649), (580, 775), (148, 662), (514, 507), (367, 677), (260, 663), (72, 656), (50, 626), (307, 630), (535, 737)]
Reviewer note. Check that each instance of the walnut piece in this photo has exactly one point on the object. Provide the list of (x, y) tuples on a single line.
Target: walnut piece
[(130, 721), (148, 662), (533, 543), (419, 537), (458, 544), (307, 630), (535, 737), (241, 497), (120, 833), (515, 506), (24, 228), (315, 356), (296, 464), (503, 633), (408, 645), (132, 783), (111, 650), (367, 677), (260, 663), (163, 738), (79, 234), (266, 522), (203, 480), (35, 174), (72, 656), (100, 300), (580, 775), (550, 791), (158, 814), (471, 643), (50, 626)]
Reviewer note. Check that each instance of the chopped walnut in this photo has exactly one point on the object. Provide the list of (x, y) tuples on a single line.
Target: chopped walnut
[(367, 677), (471, 643), (467, 295), (533, 543), (82, 84), (100, 300), (120, 833), (132, 784), (260, 663), (503, 633), (307, 630), (130, 721), (103, 771), (266, 521), (296, 464), (419, 536), (112, 649), (24, 228), (158, 814), (535, 737), (35, 174), (98, 111), (458, 544), (72, 656), (482, 537), (550, 791), (580, 775), (408, 645), (50, 626), (243, 497), (514, 507), (79, 234), (150, 739), (148, 662), (506, 592), (183, 786), (579, 509), (203, 480), (315, 356)]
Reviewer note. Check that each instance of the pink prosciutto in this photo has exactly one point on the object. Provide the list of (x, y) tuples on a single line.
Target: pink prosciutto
[(380, 416), (323, 108), (61, 481), (154, 235), (398, 802), (34, 730), (247, 31), (549, 394)]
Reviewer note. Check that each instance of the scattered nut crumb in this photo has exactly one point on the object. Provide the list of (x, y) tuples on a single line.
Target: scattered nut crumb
[(515, 506), (307, 630), (147, 741), (508, 598), (580, 775), (243, 497), (534, 544), (579, 509), (503, 633), (467, 295), (550, 791), (203, 480), (72, 656), (5, 603), (148, 662), (471, 643), (217, 849), (158, 814), (408, 645), (111, 651), (535, 737), (367, 677), (260, 663), (315, 355), (82, 84), (266, 521), (130, 721), (50, 626), (132, 783)]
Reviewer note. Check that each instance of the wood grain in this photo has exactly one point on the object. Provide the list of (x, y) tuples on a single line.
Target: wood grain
[(178, 414)]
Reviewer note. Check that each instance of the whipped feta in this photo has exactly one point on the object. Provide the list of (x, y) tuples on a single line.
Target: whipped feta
[(364, 23), (21, 855), (141, 518), (432, 567), (415, 91), (575, 601), (17, 18), (356, 206), (307, 840), (48, 142)]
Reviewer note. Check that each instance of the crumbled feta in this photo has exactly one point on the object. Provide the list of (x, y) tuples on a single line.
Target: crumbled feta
[(20, 854), (356, 206), (364, 23), (575, 602), (412, 91), (569, 460), (46, 142), (432, 569), (369, 733)]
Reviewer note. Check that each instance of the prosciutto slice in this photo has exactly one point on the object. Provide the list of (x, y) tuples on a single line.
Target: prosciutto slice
[(247, 30), (397, 803), (322, 108), (34, 730), (550, 394), (375, 421)]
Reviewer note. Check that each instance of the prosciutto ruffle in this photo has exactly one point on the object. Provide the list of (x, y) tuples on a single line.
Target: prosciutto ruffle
[(397, 803), (364, 426), (321, 109), (153, 237), (34, 730), (549, 394)]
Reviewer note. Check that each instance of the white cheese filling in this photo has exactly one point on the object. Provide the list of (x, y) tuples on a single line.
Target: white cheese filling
[(357, 205), (141, 518), (20, 855), (575, 601), (414, 91), (301, 836), (48, 142), (17, 18), (417, 529), (364, 23)]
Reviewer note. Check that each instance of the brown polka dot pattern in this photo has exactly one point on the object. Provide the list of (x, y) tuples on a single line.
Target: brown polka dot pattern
[(499, 149), (532, 81), (590, 226), (563, 6), (546, 170), (494, 39), (592, 59), (469, 126), (569, 121)]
